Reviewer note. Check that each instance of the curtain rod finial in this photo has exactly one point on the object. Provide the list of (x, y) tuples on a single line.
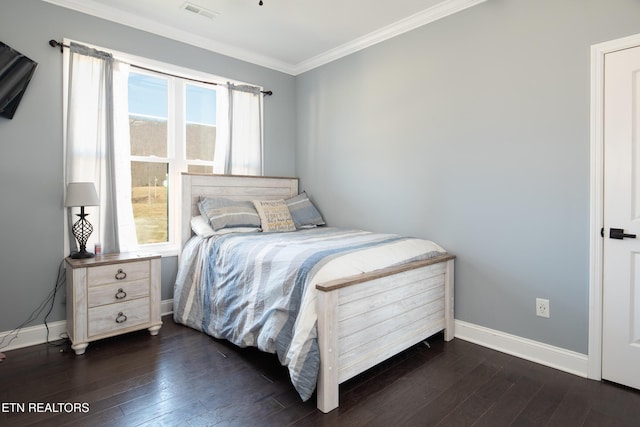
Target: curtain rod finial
[(54, 43)]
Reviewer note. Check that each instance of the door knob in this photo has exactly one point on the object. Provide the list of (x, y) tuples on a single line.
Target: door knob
[(618, 233)]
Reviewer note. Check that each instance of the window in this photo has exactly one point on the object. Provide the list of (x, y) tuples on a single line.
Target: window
[(201, 129), (165, 142), (166, 120), (148, 135)]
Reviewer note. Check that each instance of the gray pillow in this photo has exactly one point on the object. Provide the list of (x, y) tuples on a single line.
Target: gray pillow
[(303, 212), (227, 213)]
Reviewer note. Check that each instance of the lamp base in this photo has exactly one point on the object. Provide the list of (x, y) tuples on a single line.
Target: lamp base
[(81, 255)]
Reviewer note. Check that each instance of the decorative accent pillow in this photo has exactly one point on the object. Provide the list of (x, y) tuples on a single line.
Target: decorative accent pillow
[(303, 212), (274, 215), (227, 213)]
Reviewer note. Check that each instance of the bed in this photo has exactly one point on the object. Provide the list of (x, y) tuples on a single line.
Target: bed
[(350, 323)]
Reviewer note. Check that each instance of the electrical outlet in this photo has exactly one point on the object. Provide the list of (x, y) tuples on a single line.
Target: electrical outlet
[(542, 307)]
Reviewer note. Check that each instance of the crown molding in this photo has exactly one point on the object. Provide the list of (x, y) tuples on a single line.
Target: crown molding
[(434, 13), (141, 23)]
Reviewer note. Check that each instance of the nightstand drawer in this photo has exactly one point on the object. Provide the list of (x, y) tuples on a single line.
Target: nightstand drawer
[(118, 292), (114, 317), (117, 273)]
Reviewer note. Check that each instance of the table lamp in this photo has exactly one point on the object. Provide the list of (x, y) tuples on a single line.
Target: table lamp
[(81, 194)]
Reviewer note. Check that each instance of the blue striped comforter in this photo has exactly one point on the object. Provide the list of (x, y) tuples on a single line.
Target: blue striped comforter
[(258, 289)]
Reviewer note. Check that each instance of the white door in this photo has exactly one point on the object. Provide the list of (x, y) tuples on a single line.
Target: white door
[(621, 277)]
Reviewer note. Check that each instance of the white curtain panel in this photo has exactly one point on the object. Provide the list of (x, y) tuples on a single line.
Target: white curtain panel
[(239, 148), (126, 226), (96, 144)]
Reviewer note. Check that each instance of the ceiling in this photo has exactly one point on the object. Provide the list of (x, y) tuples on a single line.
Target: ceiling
[(291, 36)]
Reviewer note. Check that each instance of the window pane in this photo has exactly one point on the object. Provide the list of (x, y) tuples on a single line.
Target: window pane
[(148, 115), (201, 122), (149, 198)]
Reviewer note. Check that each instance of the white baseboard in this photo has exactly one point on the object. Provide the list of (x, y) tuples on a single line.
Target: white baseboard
[(534, 351), (37, 334), (548, 355), (166, 307), (33, 335)]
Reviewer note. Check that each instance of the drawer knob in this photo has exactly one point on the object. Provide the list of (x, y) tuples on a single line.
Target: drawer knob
[(121, 275), (121, 294), (121, 318)]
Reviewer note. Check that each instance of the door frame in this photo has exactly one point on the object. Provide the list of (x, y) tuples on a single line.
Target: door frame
[(596, 220)]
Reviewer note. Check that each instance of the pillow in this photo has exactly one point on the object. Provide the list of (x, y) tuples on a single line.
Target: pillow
[(200, 226), (274, 215), (237, 230), (303, 212), (227, 213)]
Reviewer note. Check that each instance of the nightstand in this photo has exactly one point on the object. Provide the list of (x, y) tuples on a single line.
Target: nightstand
[(110, 295)]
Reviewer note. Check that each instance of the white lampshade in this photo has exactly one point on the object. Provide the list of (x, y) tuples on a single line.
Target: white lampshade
[(81, 194)]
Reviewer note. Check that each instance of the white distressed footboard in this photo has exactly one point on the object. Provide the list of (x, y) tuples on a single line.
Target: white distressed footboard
[(365, 319)]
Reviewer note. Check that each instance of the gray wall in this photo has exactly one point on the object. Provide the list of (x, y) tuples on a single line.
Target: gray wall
[(472, 131), (31, 215)]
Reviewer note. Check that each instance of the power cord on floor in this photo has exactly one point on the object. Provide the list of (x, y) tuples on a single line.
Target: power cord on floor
[(60, 280)]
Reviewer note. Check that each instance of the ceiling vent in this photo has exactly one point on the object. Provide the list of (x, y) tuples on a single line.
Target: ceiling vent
[(199, 10)]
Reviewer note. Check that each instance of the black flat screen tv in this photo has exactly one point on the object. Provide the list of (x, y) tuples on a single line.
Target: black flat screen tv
[(16, 71)]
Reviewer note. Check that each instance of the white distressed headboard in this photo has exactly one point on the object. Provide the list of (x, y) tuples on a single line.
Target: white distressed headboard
[(236, 187)]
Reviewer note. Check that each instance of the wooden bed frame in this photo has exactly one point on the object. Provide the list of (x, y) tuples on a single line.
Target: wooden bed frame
[(364, 319)]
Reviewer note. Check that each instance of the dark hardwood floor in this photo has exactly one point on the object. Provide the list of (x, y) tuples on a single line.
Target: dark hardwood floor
[(183, 377)]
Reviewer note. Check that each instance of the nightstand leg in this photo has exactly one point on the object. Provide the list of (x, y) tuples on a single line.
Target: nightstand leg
[(80, 348), (155, 329)]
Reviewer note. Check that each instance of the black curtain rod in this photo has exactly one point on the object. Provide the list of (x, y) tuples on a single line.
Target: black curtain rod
[(55, 43)]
